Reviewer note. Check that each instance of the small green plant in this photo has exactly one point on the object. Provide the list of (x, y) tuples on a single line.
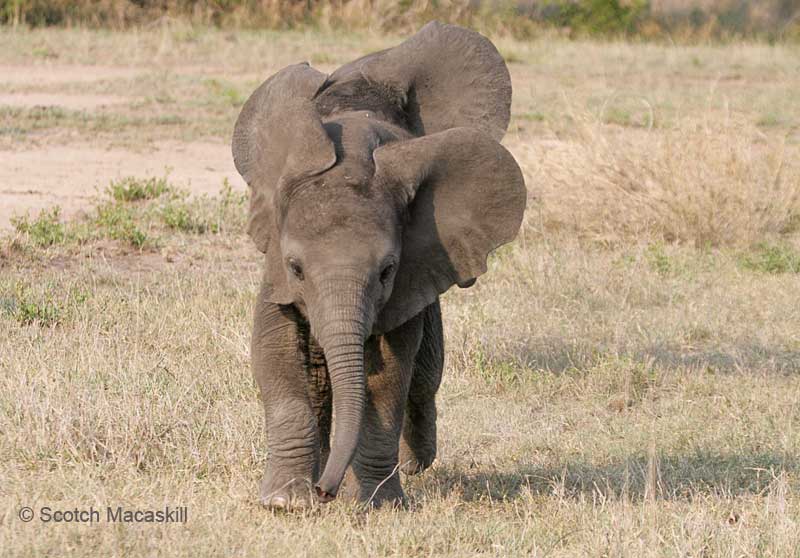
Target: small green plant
[(322, 58), (498, 374), (226, 91), (44, 313), (658, 260), (531, 116), (132, 188), (27, 308), (45, 230), (45, 305), (168, 120), (772, 258), (231, 214), (205, 214), (180, 216), (770, 120), (511, 56), (116, 221), (618, 116)]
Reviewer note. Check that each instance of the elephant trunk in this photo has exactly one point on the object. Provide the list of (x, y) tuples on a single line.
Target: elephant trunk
[(342, 323)]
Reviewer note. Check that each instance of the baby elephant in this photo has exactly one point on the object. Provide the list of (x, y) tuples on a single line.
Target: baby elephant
[(373, 190)]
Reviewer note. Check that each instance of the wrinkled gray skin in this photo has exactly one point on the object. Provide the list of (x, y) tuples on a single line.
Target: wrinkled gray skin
[(373, 191)]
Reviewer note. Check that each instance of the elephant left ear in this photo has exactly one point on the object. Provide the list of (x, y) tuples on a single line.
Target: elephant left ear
[(465, 196), (279, 136)]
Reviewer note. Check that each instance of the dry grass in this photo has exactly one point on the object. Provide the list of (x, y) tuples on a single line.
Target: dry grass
[(708, 183), (624, 382)]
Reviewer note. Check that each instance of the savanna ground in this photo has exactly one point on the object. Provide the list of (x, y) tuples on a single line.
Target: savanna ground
[(625, 381)]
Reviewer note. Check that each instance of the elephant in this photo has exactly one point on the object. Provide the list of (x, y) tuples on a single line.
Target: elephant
[(373, 190)]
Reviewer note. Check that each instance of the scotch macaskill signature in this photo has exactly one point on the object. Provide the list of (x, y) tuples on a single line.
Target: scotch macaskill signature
[(115, 514)]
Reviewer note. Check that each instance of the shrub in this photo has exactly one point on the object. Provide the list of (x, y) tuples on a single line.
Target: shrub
[(116, 221), (132, 188), (45, 230)]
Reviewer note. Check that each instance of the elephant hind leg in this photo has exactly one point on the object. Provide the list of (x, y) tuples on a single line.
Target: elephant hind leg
[(418, 442)]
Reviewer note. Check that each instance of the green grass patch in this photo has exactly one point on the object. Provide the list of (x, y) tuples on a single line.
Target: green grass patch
[(44, 230), (226, 92), (512, 56), (42, 305), (531, 116), (772, 258), (116, 221), (770, 120), (204, 214), (498, 374), (658, 260), (132, 188)]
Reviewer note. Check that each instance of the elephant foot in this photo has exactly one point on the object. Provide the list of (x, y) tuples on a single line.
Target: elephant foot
[(415, 458), (289, 495), (379, 493)]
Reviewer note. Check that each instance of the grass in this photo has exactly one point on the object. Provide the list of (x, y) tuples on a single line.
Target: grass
[(773, 258), (137, 212), (132, 188), (625, 381), (605, 426), (44, 230), (705, 183)]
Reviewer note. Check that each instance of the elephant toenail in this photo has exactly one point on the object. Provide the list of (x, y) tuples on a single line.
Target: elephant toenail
[(279, 502)]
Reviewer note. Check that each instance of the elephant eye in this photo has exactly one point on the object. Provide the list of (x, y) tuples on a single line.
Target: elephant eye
[(296, 268), (386, 273)]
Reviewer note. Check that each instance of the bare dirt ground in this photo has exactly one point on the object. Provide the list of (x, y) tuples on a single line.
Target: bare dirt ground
[(70, 174)]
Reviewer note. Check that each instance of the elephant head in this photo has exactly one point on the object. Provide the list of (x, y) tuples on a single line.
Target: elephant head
[(376, 189)]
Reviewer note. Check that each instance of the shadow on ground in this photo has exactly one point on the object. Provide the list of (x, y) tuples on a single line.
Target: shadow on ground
[(557, 356), (681, 477)]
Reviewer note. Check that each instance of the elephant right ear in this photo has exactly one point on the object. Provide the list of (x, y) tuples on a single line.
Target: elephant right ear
[(279, 137), (443, 77)]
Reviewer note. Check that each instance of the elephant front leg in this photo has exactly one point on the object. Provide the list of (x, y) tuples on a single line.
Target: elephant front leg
[(278, 361), (374, 477)]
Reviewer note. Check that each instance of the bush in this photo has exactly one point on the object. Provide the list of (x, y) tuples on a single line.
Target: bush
[(116, 221), (45, 230), (596, 17), (131, 188)]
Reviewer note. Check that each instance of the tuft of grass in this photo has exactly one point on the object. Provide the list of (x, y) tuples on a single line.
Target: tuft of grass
[(28, 308), (132, 188), (45, 305), (770, 119), (116, 221), (44, 230), (512, 56), (531, 116), (658, 260), (205, 214), (772, 258), (498, 374), (227, 92), (322, 58), (181, 215)]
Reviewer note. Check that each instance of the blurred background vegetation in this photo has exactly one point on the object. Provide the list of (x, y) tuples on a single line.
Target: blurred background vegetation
[(649, 19)]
